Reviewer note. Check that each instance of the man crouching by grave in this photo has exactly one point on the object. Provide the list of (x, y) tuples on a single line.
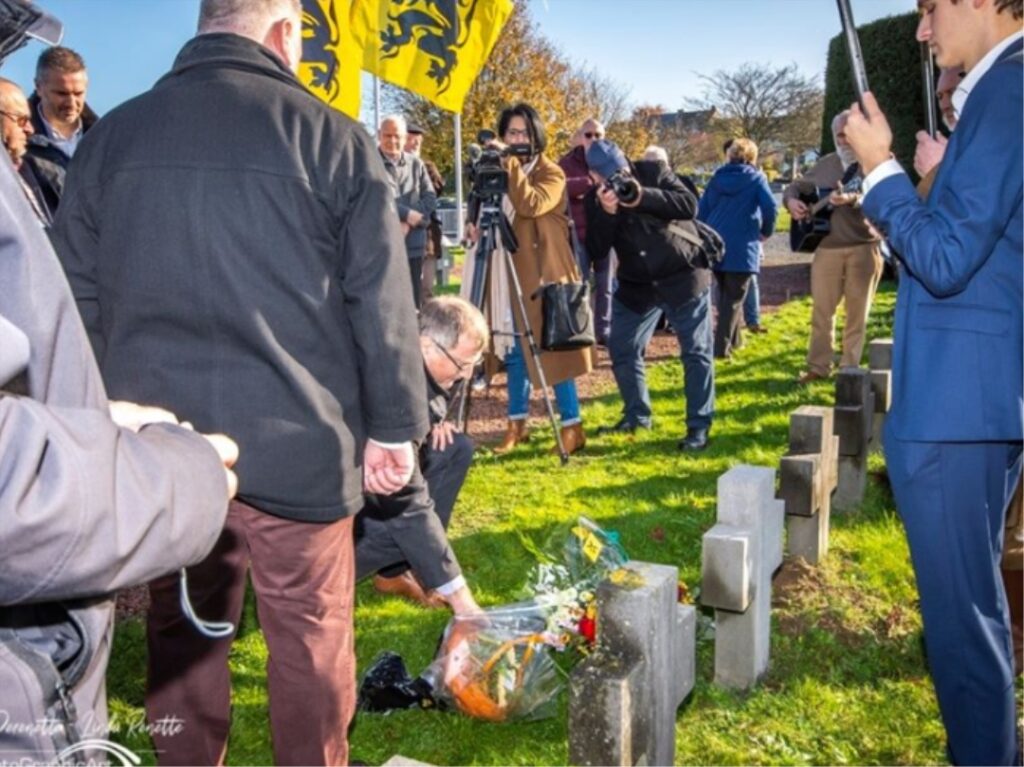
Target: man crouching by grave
[(401, 537), (640, 209)]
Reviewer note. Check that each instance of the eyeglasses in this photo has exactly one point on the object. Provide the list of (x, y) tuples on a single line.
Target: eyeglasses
[(21, 121), (516, 133), (462, 367), (589, 135)]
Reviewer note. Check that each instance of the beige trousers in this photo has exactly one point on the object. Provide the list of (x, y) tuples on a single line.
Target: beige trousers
[(849, 274)]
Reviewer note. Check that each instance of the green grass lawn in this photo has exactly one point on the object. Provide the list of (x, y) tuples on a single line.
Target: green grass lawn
[(847, 683)]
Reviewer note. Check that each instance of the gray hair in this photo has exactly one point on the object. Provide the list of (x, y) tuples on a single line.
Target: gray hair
[(447, 319), (248, 18), (654, 152), (397, 120)]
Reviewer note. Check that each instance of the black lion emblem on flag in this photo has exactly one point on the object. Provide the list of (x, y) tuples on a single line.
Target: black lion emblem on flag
[(321, 34), (439, 29)]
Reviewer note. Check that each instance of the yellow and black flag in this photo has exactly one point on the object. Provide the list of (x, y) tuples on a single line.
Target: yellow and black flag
[(331, 57), (435, 48)]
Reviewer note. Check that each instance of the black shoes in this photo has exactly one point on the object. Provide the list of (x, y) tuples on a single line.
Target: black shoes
[(694, 441), (622, 427)]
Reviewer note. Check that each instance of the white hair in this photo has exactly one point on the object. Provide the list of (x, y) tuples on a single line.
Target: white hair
[(654, 152), (397, 120)]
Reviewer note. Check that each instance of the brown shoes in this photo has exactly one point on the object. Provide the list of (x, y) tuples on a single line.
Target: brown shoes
[(515, 434), (573, 439), (406, 585), (809, 376)]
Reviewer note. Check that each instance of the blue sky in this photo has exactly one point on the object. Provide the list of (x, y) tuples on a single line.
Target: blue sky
[(652, 47)]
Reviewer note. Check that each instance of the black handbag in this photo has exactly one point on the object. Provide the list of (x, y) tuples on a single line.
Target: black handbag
[(568, 320), (700, 245)]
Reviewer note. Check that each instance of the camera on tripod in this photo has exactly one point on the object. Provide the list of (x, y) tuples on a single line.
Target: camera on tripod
[(488, 177), (626, 188)]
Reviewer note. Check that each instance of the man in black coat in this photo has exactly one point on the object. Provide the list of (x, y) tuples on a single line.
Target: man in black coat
[(655, 276), (234, 249), (60, 118)]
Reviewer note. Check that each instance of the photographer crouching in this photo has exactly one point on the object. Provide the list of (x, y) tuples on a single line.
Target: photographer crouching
[(535, 203), (643, 211)]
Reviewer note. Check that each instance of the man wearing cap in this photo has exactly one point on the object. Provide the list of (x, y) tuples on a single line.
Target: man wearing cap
[(433, 250), (414, 195), (655, 277)]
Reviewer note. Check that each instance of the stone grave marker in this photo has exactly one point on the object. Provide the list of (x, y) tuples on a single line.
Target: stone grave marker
[(880, 364), (623, 698), (808, 477), (740, 555), (854, 414)]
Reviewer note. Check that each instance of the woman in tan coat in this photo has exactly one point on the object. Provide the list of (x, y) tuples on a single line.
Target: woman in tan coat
[(536, 206)]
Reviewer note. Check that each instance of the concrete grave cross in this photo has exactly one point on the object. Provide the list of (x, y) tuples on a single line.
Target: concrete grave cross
[(809, 474), (623, 698), (740, 555)]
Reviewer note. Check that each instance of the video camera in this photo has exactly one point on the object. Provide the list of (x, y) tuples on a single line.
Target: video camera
[(488, 177)]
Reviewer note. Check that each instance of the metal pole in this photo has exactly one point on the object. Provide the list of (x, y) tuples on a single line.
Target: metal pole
[(928, 83), (459, 213), (376, 103), (857, 69)]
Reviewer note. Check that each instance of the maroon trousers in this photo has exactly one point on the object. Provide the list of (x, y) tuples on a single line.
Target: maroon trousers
[(303, 578)]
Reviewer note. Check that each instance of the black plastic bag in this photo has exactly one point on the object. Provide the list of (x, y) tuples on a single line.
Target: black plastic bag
[(387, 686)]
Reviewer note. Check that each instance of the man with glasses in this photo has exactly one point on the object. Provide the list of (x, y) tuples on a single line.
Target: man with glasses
[(577, 176), (15, 130), (401, 538)]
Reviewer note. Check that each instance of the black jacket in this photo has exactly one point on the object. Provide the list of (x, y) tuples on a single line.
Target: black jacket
[(651, 268), (234, 248), (49, 164)]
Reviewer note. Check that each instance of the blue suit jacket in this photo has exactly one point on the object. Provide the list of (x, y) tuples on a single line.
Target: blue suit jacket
[(957, 364)]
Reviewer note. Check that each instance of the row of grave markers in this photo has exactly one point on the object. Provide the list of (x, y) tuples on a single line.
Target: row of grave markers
[(623, 697)]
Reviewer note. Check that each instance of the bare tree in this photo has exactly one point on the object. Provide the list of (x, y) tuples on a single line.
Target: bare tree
[(776, 107)]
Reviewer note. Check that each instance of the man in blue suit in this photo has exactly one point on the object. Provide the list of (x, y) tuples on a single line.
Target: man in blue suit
[(953, 439)]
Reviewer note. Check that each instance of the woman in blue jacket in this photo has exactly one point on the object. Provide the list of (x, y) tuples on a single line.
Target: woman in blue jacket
[(738, 205)]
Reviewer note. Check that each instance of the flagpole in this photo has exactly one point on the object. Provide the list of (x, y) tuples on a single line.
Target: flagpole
[(459, 212), (376, 103)]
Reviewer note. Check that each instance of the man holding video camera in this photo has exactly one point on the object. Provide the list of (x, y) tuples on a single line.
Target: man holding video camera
[(637, 208)]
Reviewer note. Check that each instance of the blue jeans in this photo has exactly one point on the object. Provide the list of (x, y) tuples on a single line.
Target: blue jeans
[(632, 331), (752, 304), (519, 390)]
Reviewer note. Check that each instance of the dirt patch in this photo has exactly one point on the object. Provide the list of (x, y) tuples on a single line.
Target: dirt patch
[(804, 597)]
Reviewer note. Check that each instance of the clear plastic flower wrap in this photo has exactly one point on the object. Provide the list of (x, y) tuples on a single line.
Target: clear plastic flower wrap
[(496, 665), (578, 561)]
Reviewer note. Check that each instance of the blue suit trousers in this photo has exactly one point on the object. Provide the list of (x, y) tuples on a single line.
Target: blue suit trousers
[(952, 497)]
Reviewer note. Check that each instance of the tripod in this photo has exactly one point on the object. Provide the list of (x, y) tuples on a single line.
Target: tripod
[(494, 224)]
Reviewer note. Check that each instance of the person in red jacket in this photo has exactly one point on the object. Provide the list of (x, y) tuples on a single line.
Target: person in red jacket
[(577, 176)]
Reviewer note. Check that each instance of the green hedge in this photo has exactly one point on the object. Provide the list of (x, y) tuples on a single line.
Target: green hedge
[(893, 60)]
